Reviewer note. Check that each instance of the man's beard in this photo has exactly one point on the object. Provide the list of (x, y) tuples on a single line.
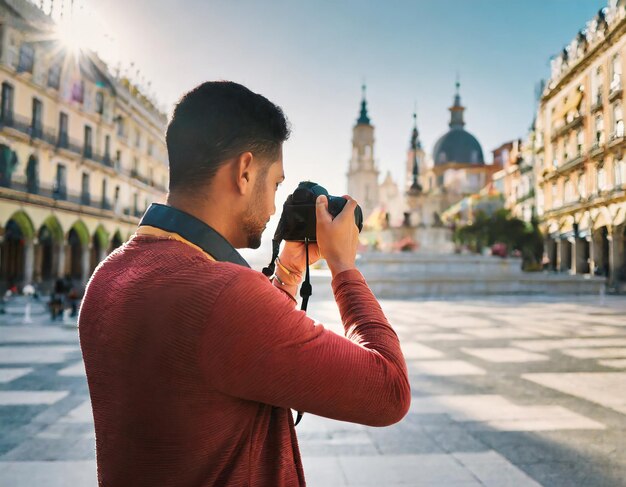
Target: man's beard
[(253, 224)]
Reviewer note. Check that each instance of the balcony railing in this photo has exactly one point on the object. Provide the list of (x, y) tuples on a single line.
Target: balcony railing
[(615, 89), (60, 140), (597, 103), (61, 194)]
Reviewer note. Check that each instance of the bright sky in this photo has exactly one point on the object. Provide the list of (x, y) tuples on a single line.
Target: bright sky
[(310, 57)]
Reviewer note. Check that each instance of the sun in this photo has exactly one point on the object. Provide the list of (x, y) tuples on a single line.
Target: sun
[(83, 29)]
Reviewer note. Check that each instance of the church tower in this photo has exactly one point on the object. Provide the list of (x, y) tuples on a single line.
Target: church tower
[(362, 172), (415, 162)]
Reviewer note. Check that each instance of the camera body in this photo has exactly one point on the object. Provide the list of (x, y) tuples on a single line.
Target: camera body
[(298, 219)]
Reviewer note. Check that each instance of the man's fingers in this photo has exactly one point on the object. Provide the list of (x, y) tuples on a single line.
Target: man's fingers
[(348, 209), (321, 209)]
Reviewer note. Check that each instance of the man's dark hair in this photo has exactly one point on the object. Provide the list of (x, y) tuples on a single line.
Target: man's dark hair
[(216, 121)]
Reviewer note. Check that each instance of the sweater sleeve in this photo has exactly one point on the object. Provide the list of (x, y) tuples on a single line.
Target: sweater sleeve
[(258, 347)]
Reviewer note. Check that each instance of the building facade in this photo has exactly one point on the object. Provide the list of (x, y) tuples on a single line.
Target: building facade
[(515, 181), (581, 151), (82, 154)]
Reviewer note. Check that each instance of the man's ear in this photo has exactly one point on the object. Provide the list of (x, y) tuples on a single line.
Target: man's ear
[(242, 172)]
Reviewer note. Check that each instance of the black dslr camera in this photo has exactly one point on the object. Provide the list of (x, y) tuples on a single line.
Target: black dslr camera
[(297, 222)]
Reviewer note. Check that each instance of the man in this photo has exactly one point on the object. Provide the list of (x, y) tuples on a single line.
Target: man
[(193, 361)]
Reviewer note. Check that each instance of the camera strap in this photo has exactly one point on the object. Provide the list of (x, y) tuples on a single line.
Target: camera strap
[(193, 230), (305, 293)]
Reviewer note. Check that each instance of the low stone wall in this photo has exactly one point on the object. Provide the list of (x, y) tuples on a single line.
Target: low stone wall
[(407, 275)]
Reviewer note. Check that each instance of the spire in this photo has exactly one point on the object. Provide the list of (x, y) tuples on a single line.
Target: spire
[(415, 146), (415, 141), (456, 110), (363, 117)]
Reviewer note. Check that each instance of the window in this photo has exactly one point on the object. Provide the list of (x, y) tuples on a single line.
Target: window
[(599, 139), (135, 204), (555, 157), (54, 76), (85, 197), (32, 175), (569, 191), (582, 193), (616, 70), (580, 142), (63, 136), (78, 91), (120, 127), (105, 202), (118, 159), (596, 86), (137, 138), (150, 148), (6, 110), (618, 176), (107, 149), (618, 120), (36, 124), (99, 103), (87, 148), (601, 179), (60, 185), (566, 149), (135, 170), (151, 173), (555, 196), (27, 58)]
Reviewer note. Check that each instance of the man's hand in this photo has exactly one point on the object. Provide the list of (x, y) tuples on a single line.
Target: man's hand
[(293, 256), (337, 239)]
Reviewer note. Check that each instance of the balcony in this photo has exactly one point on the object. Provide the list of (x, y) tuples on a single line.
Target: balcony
[(597, 104), (596, 149), (571, 163), (568, 126), (54, 196), (615, 138), (615, 89)]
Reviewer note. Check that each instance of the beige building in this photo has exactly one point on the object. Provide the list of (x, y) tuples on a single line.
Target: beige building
[(515, 181), (581, 151), (82, 154)]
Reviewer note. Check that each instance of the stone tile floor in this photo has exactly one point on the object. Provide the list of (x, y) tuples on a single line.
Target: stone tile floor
[(506, 392)]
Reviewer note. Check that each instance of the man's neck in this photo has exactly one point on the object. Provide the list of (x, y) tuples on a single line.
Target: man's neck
[(210, 212)]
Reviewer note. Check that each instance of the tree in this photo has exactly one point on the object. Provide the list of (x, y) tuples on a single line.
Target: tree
[(503, 228)]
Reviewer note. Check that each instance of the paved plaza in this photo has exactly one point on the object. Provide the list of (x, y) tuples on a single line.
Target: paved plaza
[(506, 392)]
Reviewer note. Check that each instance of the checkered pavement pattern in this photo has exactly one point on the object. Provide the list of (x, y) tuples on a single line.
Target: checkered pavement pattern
[(506, 392)]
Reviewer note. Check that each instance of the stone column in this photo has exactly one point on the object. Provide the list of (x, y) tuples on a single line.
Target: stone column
[(579, 260), (616, 253), (595, 252), (86, 261), (560, 251), (29, 260), (37, 277), (60, 261)]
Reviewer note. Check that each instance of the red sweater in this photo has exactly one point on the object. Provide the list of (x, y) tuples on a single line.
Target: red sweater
[(193, 365)]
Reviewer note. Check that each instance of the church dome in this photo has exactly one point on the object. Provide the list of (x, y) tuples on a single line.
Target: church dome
[(457, 145)]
